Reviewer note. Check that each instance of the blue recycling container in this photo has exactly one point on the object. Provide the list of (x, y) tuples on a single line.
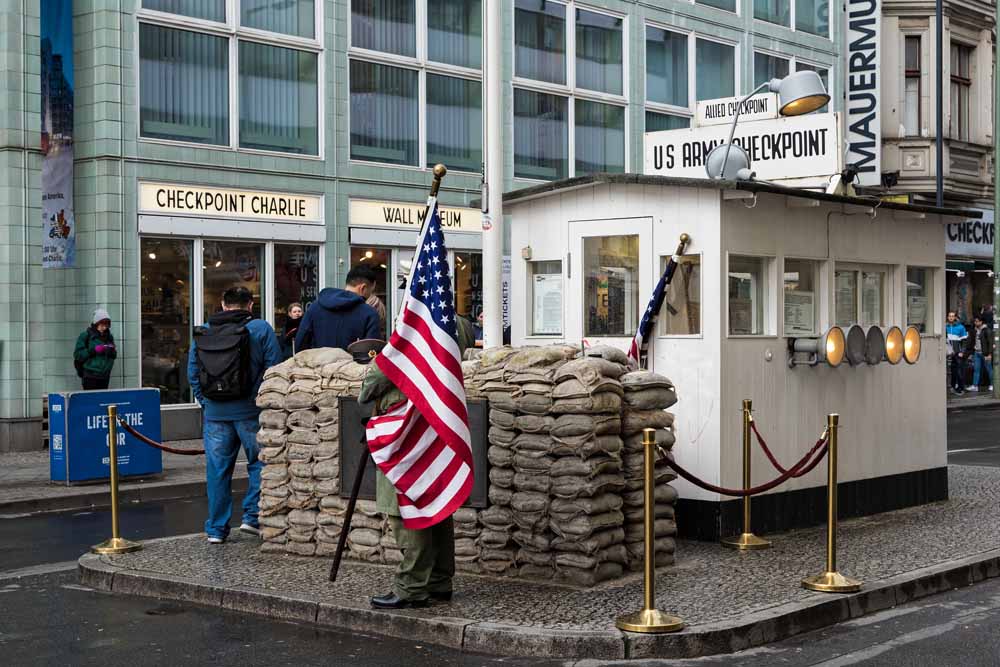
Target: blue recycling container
[(78, 434)]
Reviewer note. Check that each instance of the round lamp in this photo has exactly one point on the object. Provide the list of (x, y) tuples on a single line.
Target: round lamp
[(894, 345), (857, 343), (874, 346), (800, 93), (737, 166), (911, 345), (832, 347)]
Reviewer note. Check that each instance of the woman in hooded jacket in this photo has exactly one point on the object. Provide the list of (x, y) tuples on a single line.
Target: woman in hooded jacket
[(95, 352), (292, 321)]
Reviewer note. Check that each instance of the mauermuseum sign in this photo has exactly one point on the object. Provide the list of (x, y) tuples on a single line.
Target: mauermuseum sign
[(862, 124)]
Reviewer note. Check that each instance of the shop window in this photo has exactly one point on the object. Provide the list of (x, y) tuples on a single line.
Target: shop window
[(208, 10), (600, 138), (859, 295), (289, 17), (813, 16), (611, 285), (767, 67), (824, 75), (666, 67), (165, 316), (681, 314), (716, 67), (468, 273), (748, 290), (378, 260), (385, 25), (545, 282), (918, 299), (384, 113), (183, 85), (801, 294), (599, 52), (269, 74), (541, 135), (229, 264), (454, 122), (540, 40), (296, 277), (772, 11), (728, 5), (662, 121), (911, 102), (455, 30)]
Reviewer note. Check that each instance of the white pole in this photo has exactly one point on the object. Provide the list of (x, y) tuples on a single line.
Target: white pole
[(493, 237)]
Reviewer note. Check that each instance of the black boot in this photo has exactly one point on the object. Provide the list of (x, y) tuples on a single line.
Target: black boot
[(393, 601)]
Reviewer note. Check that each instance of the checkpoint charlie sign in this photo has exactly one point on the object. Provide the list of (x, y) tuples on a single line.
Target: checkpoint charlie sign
[(800, 147), (722, 111)]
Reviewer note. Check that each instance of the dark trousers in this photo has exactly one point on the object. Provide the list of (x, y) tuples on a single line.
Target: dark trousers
[(95, 383), (428, 559)]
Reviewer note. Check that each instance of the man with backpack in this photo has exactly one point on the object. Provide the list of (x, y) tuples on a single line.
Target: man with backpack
[(225, 368)]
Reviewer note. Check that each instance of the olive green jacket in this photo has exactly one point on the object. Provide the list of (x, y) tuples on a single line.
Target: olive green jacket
[(379, 389)]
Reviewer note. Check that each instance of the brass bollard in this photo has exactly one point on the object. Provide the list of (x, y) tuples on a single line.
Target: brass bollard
[(116, 545), (831, 581), (649, 619), (747, 540)]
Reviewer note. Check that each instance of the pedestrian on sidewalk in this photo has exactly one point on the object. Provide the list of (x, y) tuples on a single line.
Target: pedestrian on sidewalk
[(379, 307), (95, 352), (293, 319), (980, 350), (225, 368), (340, 317), (957, 337)]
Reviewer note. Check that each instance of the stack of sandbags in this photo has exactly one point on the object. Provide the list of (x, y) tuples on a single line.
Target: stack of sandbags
[(367, 528), (329, 522), (647, 395), (497, 554), (302, 532), (467, 549), (586, 479)]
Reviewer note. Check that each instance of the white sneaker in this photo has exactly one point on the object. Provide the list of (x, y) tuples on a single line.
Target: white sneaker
[(991, 388), (216, 540), (247, 528), (972, 388)]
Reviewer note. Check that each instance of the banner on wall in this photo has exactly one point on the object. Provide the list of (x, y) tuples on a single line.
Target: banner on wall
[(58, 222), (862, 123)]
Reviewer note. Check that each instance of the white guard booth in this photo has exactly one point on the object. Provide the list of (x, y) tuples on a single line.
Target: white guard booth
[(766, 265)]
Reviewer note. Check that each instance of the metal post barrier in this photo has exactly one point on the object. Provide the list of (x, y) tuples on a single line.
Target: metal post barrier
[(831, 581), (649, 619), (746, 540), (117, 544)]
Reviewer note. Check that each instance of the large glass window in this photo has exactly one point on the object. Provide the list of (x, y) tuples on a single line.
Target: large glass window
[(728, 5), (681, 315), (468, 272), (183, 85), (716, 67), (872, 298), (772, 11), (289, 17), (540, 40), (209, 10), (859, 295), (918, 299), (165, 316), (600, 137), (813, 16), (545, 284), (911, 103), (662, 121), (767, 67), (278, 99), (455, 32), (385, 25), (296, 277), (666, 67), (232, 264), (384, 113), (541, 135), (454, 122), (961, 87), (845, 297), (801, 294), (611, 285), (598, 52), (747, 292)]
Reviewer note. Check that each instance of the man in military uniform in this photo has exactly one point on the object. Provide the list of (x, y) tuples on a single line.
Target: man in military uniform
[(428, 564)]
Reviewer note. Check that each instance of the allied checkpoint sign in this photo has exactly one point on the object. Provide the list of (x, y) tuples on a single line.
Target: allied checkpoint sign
[(799, 150), (78, 434)]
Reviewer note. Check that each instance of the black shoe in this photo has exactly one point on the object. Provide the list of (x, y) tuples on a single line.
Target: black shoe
[(393, 601), (443, 596)]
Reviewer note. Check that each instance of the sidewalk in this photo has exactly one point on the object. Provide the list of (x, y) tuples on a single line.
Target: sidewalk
[(25, 485), (971, 400), (729, 600)]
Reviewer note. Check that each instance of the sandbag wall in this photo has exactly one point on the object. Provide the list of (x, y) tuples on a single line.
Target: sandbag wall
[(565, 452)]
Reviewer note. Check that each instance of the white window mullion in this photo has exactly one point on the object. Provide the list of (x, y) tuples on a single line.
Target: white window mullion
[(571, 47), (421, 28), (234, 92), (571, 135), (267, 296), (692, 50), (422, 118), (198, 282)]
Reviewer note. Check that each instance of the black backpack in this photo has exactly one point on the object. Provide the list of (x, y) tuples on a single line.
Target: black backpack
[(222, 352)]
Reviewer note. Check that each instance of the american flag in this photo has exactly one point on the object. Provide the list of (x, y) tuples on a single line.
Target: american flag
[(422, 445), (640, 343)]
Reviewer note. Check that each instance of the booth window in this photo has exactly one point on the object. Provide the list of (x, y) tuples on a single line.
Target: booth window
[(918, 299), (767, 67), (165, 316), (681, 314), (859, 295), (748, 290), (801, 294), (545, 280), (610, 285)]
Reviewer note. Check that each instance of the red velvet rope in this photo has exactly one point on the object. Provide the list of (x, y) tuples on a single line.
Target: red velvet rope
[(774, 461), (158, 445)]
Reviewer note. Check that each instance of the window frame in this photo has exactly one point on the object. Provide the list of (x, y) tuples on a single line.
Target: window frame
[(914, 74), (571, 92), (530, 305), (965, 116), (423, 65), (661, 321), (933, 327), (769, 309), (819, 267), (791, 20), (889, 314), (766, 53), (234, 33)]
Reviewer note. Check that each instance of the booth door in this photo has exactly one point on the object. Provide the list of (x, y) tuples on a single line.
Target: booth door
[(610, 279)]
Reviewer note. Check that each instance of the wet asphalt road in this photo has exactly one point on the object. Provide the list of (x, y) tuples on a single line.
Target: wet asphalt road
[(974, 437)]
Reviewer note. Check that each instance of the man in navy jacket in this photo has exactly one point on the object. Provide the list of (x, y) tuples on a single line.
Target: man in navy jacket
[(340, 316)]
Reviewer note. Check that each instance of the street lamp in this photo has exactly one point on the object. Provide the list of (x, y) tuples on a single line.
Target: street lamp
[(798, 93)]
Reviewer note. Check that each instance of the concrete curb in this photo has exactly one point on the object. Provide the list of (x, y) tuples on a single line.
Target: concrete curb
[(98, 496), (748, 631), (989, 404)]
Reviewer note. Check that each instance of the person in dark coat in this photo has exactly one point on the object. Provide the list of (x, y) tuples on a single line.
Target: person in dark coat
[(292, 321), (979, 348), (340, 316), (95, 352)]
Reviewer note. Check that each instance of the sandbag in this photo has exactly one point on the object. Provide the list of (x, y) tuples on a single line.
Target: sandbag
[(585, 468), (664, 438), (299, 453), (302, 420), (268, 437), (533, 557), (501, 436), (302, 518), (534, 404), (605, 401), (502, 477), (634, 532), (499, 495), (576, 487), (493, 539), (534, 423), (573, 388), (637, 514), (272, 455), (585, 447), (320, 356), (301, 469), (536, 483), (501, 419), (589, 577), (583, 526), (633, 421), (569, 508), (657, 398), (613, 554), (496, 518), (595, 542), (532, 540), (500, 456), (532, 442), (589, 370), (273, 419), (327, 416), (663, 493), (535, 463), (585, 424), (310, 438), (534, 357), (301, 549), (327, 469), (271, 400), (642, 380), (529, 501), (609, 353)]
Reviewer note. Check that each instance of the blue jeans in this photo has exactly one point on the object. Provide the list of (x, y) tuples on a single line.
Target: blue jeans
[(977, 361), (223, 440)]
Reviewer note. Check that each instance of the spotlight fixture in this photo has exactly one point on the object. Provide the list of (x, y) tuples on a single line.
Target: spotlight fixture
[(857, 345), (827, 348), (911, 345), (875, 346), (894, 345)]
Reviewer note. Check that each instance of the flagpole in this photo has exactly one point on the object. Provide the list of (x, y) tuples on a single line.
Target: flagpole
[(439, 173)]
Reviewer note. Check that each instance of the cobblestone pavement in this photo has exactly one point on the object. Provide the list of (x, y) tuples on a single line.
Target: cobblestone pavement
[(708, 584), (24, 477)]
